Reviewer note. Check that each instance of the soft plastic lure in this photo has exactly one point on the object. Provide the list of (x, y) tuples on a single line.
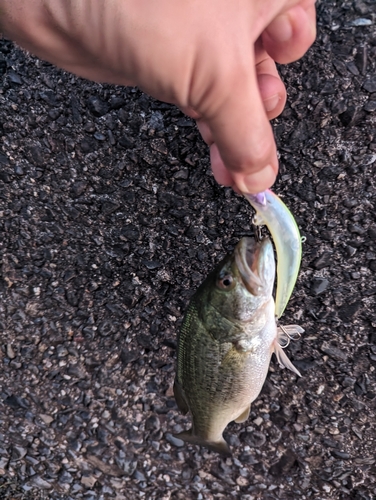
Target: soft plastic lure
[(272, 212)]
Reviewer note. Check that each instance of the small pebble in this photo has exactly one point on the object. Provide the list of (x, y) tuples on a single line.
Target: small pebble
[(174, 440), (10, 352), (319, 285)]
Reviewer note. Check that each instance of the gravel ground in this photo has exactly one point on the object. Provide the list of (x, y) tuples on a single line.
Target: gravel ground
[(110, 219)]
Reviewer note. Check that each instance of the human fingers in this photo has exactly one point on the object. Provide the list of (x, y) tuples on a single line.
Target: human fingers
[(273, 95), (272, 89), (242, 147), (290, 34), (287, 38), (257, 182)]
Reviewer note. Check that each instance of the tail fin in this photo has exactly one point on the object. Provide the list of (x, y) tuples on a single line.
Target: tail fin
[(283, 360), (284, 335), (218, 446)]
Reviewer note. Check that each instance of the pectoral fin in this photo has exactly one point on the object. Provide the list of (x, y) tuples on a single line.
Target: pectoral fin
[(180, 398), (219, 446), (243, 416)]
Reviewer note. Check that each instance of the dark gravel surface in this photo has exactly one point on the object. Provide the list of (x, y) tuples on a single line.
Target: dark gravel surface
[(109, 220)]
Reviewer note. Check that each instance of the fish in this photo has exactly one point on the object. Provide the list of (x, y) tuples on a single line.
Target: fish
[(228, 335), (271, 211)]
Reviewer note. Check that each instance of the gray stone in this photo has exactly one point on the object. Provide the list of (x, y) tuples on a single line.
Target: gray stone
[(174, 440), (333, 352), (41, 483), (370, 84), (319, 285)]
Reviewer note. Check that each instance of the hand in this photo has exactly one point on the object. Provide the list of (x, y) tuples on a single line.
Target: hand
[(214, 59)]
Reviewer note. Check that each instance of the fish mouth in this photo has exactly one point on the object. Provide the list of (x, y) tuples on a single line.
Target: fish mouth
[(247, 254)]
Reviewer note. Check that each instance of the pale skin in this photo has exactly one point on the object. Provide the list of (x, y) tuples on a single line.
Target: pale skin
[(215, 59)]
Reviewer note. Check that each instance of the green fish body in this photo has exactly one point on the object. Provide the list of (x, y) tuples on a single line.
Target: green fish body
[(225, 344)]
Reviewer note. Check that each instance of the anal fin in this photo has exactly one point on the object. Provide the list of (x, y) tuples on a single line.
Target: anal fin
[(243, 416)]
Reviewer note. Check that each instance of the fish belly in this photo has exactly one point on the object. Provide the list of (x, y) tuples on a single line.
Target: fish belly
[(221, 379), (224, 387)]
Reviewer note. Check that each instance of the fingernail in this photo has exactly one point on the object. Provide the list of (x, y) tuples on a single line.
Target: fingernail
[(280, 29), (271, 103), (256, 182)]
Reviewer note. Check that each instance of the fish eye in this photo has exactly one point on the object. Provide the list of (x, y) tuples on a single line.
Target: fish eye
[(226, 282)]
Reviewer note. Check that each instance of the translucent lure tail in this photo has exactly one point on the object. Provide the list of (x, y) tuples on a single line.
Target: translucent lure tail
[(272, 212)]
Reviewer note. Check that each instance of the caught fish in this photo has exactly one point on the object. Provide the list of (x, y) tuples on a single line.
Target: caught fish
[(271, 211), (228, 336)]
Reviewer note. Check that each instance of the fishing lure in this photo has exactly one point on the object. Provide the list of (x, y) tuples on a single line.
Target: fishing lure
[(272, 212)]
